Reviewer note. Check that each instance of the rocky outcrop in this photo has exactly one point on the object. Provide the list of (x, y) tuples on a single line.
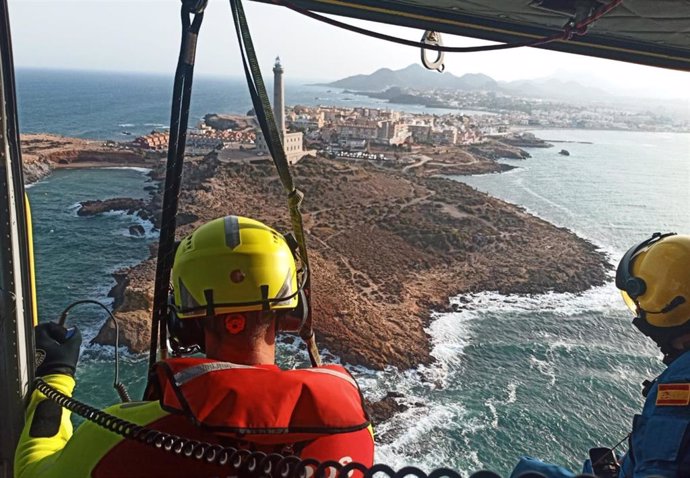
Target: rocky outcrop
[(382, 410), (137, 230), (498, 149), (36, 169), (132, 303), (525, 140), (128, 205), (228, 122), (387, 246)]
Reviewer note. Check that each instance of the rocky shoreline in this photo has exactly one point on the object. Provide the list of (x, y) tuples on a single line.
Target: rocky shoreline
[(43, 153), (390, 242)]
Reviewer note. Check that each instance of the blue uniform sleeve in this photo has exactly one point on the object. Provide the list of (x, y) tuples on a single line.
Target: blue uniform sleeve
[(549, 470), (660, 444)]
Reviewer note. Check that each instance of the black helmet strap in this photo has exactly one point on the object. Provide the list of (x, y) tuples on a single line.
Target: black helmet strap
[(663, 336)]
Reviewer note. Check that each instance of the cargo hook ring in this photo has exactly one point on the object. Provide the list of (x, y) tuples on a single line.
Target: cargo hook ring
[(433, 38)]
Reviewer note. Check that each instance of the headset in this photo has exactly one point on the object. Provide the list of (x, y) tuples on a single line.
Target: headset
[(625, 280), (636, 286), (187, 335)]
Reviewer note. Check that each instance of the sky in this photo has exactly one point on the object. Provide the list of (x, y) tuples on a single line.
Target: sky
[(144, 36)]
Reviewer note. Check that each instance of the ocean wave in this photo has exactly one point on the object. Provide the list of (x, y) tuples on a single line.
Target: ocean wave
[(89, 318), (126, 125), (98, 353), (150, 231), (418, 435), (73, 209), (544, 367), (510, 398), (131, 168), (564, 304)]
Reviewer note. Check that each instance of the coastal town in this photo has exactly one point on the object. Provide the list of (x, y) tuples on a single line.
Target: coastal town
[(387, 134), (377, 170), (347, 132)]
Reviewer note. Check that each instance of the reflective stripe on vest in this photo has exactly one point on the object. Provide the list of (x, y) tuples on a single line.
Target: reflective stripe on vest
[(196, 371), (193, 372), (262, 404)]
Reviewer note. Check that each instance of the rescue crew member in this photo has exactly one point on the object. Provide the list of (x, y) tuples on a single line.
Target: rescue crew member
[(235, 286), (654, 279)]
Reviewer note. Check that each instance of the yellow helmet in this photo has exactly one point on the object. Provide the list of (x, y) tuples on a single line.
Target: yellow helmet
[(654, 278), (233, 264)]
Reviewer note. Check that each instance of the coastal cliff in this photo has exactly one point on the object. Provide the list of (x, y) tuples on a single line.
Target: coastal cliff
[(389, 243), (42, 153)]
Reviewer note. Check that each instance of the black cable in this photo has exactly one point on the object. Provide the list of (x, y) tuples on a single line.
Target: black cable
[(401, 41), (254, 464), (570, 28), (179, 117), (264, 115), (117, 385)]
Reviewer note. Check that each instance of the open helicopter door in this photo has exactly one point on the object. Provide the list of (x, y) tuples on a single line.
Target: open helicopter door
[(17, 306)]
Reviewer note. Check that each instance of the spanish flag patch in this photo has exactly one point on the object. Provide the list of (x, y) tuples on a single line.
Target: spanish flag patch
[(673, 394)]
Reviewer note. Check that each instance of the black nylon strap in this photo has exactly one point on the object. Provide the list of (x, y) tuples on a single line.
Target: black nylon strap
[(179, 117), (266, 119)]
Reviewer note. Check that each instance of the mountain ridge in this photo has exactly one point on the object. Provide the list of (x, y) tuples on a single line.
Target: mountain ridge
[(416, 77)]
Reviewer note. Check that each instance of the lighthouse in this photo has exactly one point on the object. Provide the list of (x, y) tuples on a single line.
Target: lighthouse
[(293, 144), (279, 97)]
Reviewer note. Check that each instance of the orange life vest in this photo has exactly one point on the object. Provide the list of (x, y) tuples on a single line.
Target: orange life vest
[(262, 404)]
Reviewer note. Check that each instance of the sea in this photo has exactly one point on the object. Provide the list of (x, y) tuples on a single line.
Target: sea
[(547, 375)]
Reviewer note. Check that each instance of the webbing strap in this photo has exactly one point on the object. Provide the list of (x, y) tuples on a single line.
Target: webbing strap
[(266, 119), (179, 117)]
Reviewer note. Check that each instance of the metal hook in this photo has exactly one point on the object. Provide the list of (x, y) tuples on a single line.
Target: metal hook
[(433, 38)]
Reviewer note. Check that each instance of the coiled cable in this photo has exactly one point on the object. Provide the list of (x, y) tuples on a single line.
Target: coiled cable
[(117, 385), (251, 464)]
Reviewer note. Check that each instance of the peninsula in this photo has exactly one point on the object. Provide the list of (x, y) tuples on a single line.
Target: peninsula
[(391, 238), (389, 244)]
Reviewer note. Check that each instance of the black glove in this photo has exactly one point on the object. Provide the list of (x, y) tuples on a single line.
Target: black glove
[(57, 349)]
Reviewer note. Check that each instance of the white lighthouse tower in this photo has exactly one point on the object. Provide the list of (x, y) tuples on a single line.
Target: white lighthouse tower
[(292, 142), (279, 97)]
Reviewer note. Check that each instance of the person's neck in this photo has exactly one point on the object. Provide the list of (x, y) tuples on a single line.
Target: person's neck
[(254, 357)]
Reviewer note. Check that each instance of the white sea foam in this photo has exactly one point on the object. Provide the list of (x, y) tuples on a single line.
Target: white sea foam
[(563, 304), (150, 232), (126, 125), (426, 424), (450, 334), (512, 393), (106, 353), (132, 168), (74, 209), (544, 367), (493, 412)]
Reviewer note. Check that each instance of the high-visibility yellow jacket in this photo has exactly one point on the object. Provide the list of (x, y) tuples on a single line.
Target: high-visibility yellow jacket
[(48, 448)]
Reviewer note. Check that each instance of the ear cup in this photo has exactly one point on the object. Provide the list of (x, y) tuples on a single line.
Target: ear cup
[(635, 287), (625, 280), (293, 320), (186, 336)]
